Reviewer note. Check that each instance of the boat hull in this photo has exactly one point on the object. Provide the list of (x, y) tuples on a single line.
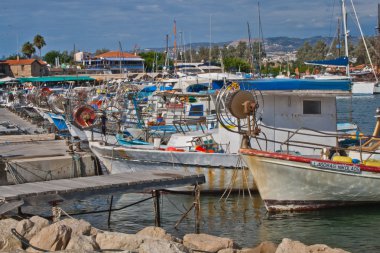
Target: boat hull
[(294, 183), (218, 177)]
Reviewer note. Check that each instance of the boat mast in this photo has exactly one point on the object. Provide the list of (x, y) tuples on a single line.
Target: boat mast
[(175, 45), (250, 48), (378, 34), (364, 42), (261, 40), (167, 53), (344, 17)]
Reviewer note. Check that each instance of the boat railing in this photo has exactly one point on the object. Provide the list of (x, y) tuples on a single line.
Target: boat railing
[(290, 141)]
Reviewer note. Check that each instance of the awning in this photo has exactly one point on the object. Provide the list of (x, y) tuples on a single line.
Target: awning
[(55, 79)]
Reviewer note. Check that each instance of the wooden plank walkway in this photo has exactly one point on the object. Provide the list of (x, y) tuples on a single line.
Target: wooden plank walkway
[(123, 183)]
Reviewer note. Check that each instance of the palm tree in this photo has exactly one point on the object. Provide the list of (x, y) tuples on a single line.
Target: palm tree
[(28, 49), (39, 42)]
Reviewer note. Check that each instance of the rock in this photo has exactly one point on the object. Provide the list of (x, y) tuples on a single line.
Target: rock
[(161, 246), (114, 240), (229, 250), (82, 243), (30, 227), (158, 233), (79, 227), (289, 246), (264, 247), (52, 238), (204, 242), (7, 241)]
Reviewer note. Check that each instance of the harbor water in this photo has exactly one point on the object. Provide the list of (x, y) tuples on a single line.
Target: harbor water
[(243, 217)]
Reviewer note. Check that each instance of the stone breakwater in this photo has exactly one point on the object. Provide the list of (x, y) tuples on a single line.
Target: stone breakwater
[(72, 235)]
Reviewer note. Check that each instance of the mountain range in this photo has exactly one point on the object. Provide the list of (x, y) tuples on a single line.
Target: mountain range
[(273, 44)]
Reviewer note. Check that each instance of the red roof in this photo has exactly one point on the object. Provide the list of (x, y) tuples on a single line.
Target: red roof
[(116, 54), (21, 62)]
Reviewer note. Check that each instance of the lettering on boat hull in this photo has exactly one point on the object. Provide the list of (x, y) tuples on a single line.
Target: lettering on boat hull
[(336, 167)]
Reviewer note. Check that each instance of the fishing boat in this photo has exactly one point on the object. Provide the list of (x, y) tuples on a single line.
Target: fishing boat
[(187, 152), (290, 145)]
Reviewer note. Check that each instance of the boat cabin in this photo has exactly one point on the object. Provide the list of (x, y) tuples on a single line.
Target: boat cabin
[(297, 116)]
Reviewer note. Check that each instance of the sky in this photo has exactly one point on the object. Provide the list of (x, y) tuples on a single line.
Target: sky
[(96, 24)]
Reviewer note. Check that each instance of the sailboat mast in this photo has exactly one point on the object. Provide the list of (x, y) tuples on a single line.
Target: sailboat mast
[(344, 17), (261, 45), (364, 42), (167, 53), (250, 47), (175, 45)]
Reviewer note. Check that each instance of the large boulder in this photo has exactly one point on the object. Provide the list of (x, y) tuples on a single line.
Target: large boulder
[(289, 246), (158, 233), (52, 238), (30, 227), (7, 241), (204, 242), (82, 243), (114, 240), (79, 227), (161, 246), (264, 247)]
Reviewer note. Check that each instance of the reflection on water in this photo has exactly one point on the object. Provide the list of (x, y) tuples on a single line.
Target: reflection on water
[(363, 110)]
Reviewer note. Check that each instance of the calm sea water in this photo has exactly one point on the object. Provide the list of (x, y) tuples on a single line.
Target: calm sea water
[(244, 219)]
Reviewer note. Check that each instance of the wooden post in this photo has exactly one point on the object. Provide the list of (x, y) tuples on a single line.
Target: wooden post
[(197, 209), (109, 211), (157, 220)]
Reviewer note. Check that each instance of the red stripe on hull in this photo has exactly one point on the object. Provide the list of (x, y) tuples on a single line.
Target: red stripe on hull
[(301, 159)]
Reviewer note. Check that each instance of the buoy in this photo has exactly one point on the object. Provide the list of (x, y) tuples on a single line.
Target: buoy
[(372, 162), (342, 159), (173, 149)]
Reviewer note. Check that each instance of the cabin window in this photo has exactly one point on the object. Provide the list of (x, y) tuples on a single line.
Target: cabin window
[(311, 107)]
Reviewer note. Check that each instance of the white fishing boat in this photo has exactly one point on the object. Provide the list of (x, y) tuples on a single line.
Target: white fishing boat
[(192, 152), (294, 166)]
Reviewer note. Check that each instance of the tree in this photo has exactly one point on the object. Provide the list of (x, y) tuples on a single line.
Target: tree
[(28, 49), (152, 58), (13, 57), (236, 64), (39, 42), (51, 55)]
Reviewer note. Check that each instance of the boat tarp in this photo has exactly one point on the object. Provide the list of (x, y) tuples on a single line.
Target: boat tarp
[(341, 61), (43, 79), (295, 84)]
